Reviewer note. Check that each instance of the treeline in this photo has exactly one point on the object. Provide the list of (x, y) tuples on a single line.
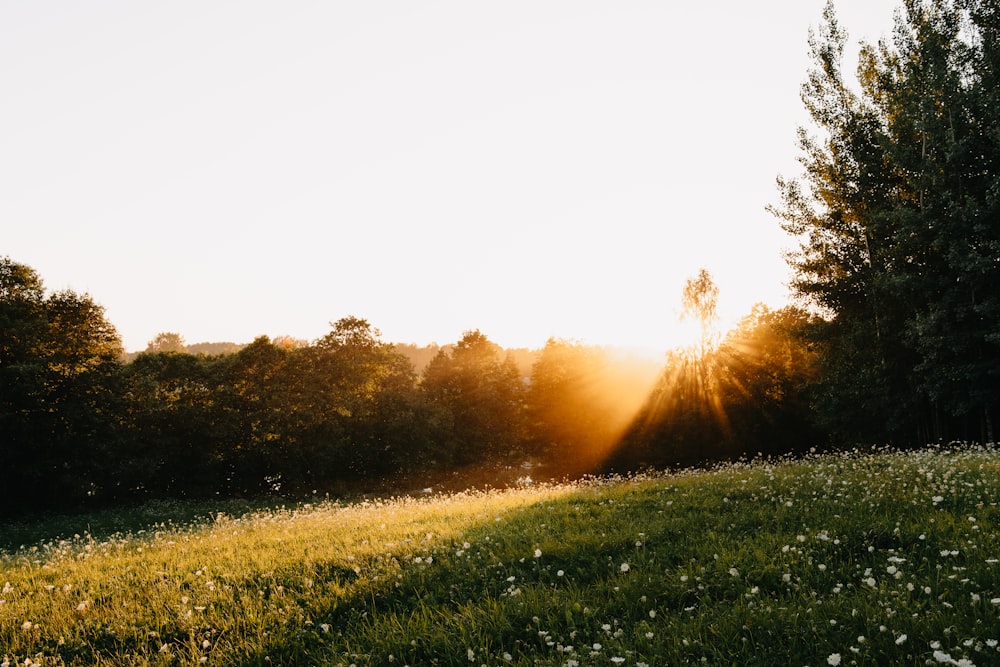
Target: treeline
[(82, 424)]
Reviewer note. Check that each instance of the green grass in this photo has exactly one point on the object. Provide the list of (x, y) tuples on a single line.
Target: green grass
[(862, 558)]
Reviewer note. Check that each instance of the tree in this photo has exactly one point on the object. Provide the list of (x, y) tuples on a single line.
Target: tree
[(483, 393), (166, 341), (580, 401), (767, 373), (699, 301), (373, 395), (59, 365), (182, 430), (895, 217)]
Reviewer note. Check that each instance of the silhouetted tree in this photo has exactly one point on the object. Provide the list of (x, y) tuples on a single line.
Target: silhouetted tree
[(896, 221), (59, 365), (483, 392), (167, 341)]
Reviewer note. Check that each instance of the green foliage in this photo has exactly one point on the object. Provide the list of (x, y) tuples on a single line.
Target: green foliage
[(483, 394), (59, 364), (273, 417), (896, 221), (863, 557), (286, 417), (751, 394)]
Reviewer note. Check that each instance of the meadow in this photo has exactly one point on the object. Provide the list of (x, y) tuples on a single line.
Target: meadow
[(851, 558)]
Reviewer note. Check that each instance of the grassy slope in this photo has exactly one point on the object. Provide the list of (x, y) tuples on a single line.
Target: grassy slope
[(850, 559)]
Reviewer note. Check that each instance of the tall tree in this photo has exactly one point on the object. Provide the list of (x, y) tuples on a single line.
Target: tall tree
[(373, 391), (483, 392), (895, 215), (699, 301), (59, 364)]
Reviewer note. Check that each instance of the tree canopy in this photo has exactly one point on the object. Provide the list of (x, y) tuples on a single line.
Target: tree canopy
[(896, 217)]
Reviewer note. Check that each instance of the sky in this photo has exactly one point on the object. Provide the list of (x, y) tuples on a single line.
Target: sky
[(531, 169)]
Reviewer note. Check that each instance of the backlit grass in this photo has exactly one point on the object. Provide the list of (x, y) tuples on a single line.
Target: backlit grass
[(861, 558)]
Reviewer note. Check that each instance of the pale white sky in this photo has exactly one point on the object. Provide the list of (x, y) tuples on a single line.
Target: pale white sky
[(231, 168)]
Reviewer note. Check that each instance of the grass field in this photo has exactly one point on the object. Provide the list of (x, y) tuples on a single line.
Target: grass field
[(867, 558)]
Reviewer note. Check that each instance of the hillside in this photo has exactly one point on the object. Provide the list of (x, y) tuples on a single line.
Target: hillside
[(856, 558)]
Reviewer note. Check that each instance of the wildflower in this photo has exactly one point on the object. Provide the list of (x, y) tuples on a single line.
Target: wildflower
[(624, 567), (472, 655), (27, 625), (538, 553), (833, 659), (900, 640), (596, 646), (617, 660), (734, 572), (652, 613), (82, 606), (560, 573)]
